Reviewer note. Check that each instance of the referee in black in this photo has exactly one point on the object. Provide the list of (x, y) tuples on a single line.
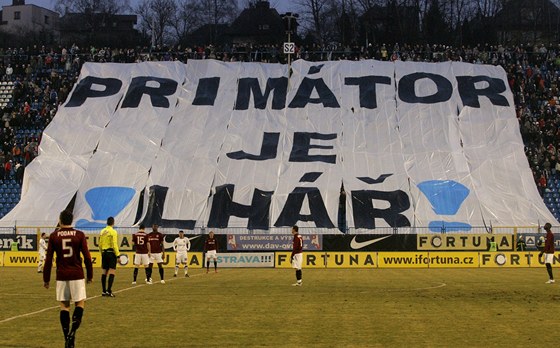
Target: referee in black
[(109, 247)]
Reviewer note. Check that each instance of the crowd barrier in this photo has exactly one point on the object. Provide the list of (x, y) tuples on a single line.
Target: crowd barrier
[(329, 260), (272, 250)]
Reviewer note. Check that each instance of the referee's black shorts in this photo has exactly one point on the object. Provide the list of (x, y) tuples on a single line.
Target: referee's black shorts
[(108, 259)]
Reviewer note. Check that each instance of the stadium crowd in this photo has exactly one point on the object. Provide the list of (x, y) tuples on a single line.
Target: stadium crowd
[(40, 79)]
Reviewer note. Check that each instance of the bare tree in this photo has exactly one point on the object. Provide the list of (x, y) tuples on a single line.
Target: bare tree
[(489, 8), (186, 19), (366, 5), (314, 17), (216, 12), (157, 18), (92, 6)]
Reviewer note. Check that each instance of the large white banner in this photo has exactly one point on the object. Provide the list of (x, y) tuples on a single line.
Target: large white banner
[(329, 145)]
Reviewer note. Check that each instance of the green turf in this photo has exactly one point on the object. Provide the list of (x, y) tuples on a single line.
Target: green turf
[(334, 308)]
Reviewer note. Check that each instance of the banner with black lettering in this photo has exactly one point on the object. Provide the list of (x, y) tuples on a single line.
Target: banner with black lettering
[(376, 185), (330, 145), (118, 170)]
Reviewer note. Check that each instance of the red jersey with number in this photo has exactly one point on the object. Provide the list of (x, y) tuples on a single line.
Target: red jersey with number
[(155, 239), (297, 244), (211, 244), (68, 244), (140, 240)]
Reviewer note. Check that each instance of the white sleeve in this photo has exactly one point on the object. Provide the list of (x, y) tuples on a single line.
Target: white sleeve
[(175, 244), (188, 244)]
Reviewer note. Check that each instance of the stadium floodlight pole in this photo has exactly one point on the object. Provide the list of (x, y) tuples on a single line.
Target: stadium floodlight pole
[(290, 26)]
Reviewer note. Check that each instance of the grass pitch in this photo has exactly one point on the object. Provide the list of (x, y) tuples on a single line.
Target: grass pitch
[(259, 307)]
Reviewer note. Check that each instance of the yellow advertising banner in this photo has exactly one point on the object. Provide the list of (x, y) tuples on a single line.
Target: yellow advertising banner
[(456, 241), (402, 259), (351, 260), (310, 259), (31, 259), (448, 259), (195, 260), (536, 261), (1, 258), (507, 259), (21, 258)]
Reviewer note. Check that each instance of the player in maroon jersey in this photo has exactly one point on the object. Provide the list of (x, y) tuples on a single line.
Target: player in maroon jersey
[(297, 255), (140, 240), (211, 248), (156, 252), (548, 252), (68, 243)]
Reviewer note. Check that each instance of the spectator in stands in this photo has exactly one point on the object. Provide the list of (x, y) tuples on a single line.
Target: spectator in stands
[(16, 152), (521, 245), (19, 169), (9, 72), (8, 169)]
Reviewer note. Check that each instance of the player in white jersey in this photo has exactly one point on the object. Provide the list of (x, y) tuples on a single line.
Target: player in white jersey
[(181, 245), (42, 252)]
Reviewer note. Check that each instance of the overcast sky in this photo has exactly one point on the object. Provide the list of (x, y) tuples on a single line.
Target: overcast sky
[(280, 5)]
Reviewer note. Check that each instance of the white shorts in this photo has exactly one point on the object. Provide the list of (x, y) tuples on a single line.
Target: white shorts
[(181, 258), (211, 254), (141, 259), (156, 258), (549, 258), (297, 261), (71, 290)]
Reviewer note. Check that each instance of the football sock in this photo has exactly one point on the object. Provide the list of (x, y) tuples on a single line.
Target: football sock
[(111, 279), (298, 275), (65, 322), (104, 282), (77, 319), (135, 273), (215, 265), (176, 269), (160, 266), (207, 265), (186, 269), (549, 270), (147, 270)]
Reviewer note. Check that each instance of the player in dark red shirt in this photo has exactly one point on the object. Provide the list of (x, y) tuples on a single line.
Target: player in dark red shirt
[(211, 249), (548, 252), (156, 252), (297, 255), (68, 244), (140, 240)]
